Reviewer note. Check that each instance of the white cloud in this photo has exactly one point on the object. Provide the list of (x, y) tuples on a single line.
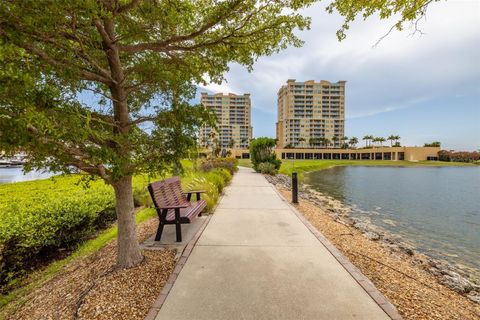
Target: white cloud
[(392, 75)]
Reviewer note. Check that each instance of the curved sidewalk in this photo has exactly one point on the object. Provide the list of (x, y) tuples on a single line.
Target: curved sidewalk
[(257, 259)]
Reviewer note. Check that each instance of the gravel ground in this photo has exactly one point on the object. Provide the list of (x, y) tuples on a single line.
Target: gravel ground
[(91, 288), (415, 292)]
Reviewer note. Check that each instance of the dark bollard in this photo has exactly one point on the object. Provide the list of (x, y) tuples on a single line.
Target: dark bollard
[(294, 188)]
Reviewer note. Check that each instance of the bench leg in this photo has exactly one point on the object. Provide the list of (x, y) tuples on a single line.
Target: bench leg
[(178, 230), (159, 232)]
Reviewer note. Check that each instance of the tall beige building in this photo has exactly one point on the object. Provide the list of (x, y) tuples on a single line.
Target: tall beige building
[(309, 113), (233, 121)]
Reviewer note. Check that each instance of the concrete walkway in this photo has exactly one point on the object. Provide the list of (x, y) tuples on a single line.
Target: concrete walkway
[(257, 260)]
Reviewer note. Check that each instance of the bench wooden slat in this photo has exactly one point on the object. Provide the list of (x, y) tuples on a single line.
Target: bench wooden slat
[(170, 200)]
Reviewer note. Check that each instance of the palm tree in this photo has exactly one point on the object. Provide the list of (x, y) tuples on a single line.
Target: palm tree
[(326, 141), (301, 140), (397, 141), (312, 141), (353, 141), (335, 139), (244, 140), (344, 141), (368, 139), (381, 140), (391, 138)]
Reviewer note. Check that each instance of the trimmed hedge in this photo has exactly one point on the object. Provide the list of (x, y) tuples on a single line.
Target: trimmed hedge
[(37, 217), (230, 164)]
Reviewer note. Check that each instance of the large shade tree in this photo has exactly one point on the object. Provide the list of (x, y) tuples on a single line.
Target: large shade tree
[(129, 54)]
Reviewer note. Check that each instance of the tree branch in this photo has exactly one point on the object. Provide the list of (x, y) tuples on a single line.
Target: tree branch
[(103, 33), (162, 46), (142, 120), (128, 6), (77, 156), (86, 75)]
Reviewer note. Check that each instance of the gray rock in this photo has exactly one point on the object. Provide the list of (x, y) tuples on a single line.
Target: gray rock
[(372, 235), (457, 283), (474, 298)]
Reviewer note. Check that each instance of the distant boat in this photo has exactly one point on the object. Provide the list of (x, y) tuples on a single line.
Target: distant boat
[(14, 162)]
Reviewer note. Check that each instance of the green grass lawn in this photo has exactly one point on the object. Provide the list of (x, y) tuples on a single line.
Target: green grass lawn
[(301, 166), (244, 163)]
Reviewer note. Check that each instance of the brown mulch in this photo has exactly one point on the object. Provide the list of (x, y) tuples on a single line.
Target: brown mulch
[(415, 292), (91, 288)]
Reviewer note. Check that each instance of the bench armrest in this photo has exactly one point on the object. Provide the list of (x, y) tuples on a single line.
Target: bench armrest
[(194, 191), (197, 192)]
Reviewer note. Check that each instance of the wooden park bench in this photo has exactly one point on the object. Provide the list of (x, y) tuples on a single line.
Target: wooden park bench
[(173, 205)]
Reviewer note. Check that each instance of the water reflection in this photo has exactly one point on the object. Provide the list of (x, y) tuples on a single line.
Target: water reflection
[(435, 207), (8, 175)]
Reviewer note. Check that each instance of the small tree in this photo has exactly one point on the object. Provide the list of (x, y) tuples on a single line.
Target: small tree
[(262, 150)]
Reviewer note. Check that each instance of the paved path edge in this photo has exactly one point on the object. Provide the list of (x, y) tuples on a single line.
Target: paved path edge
[(362, 280), (155, 308)]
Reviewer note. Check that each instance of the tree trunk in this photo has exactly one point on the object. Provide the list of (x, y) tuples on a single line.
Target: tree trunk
[(128, 250)]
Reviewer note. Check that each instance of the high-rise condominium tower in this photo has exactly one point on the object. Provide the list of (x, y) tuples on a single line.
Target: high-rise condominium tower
[(233, 121), (311, 114)]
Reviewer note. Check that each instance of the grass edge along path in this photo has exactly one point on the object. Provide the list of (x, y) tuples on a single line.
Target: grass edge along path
[(14, 298)]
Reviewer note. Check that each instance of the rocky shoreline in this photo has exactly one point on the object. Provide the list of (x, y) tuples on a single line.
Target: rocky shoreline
[(458, 280)]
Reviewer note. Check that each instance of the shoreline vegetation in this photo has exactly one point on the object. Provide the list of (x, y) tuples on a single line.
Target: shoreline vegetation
[(83, 281)]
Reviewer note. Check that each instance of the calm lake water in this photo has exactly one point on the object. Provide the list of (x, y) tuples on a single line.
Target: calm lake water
[(8, 175), (435, 208)]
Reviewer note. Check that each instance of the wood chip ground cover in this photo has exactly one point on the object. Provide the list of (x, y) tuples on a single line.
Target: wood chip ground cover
[(107, 293), (416, 293)]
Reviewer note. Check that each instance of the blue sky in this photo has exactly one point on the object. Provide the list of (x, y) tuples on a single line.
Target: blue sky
[(423, 87)]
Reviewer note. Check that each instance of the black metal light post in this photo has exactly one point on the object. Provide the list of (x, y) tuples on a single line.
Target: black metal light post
[(294, 188)]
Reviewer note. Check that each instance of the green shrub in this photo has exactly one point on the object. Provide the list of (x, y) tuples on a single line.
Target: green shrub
[(38, 217), (226, 175), (211, 182), (267, 168), (141, 197), (261, 151), (230, 164)]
